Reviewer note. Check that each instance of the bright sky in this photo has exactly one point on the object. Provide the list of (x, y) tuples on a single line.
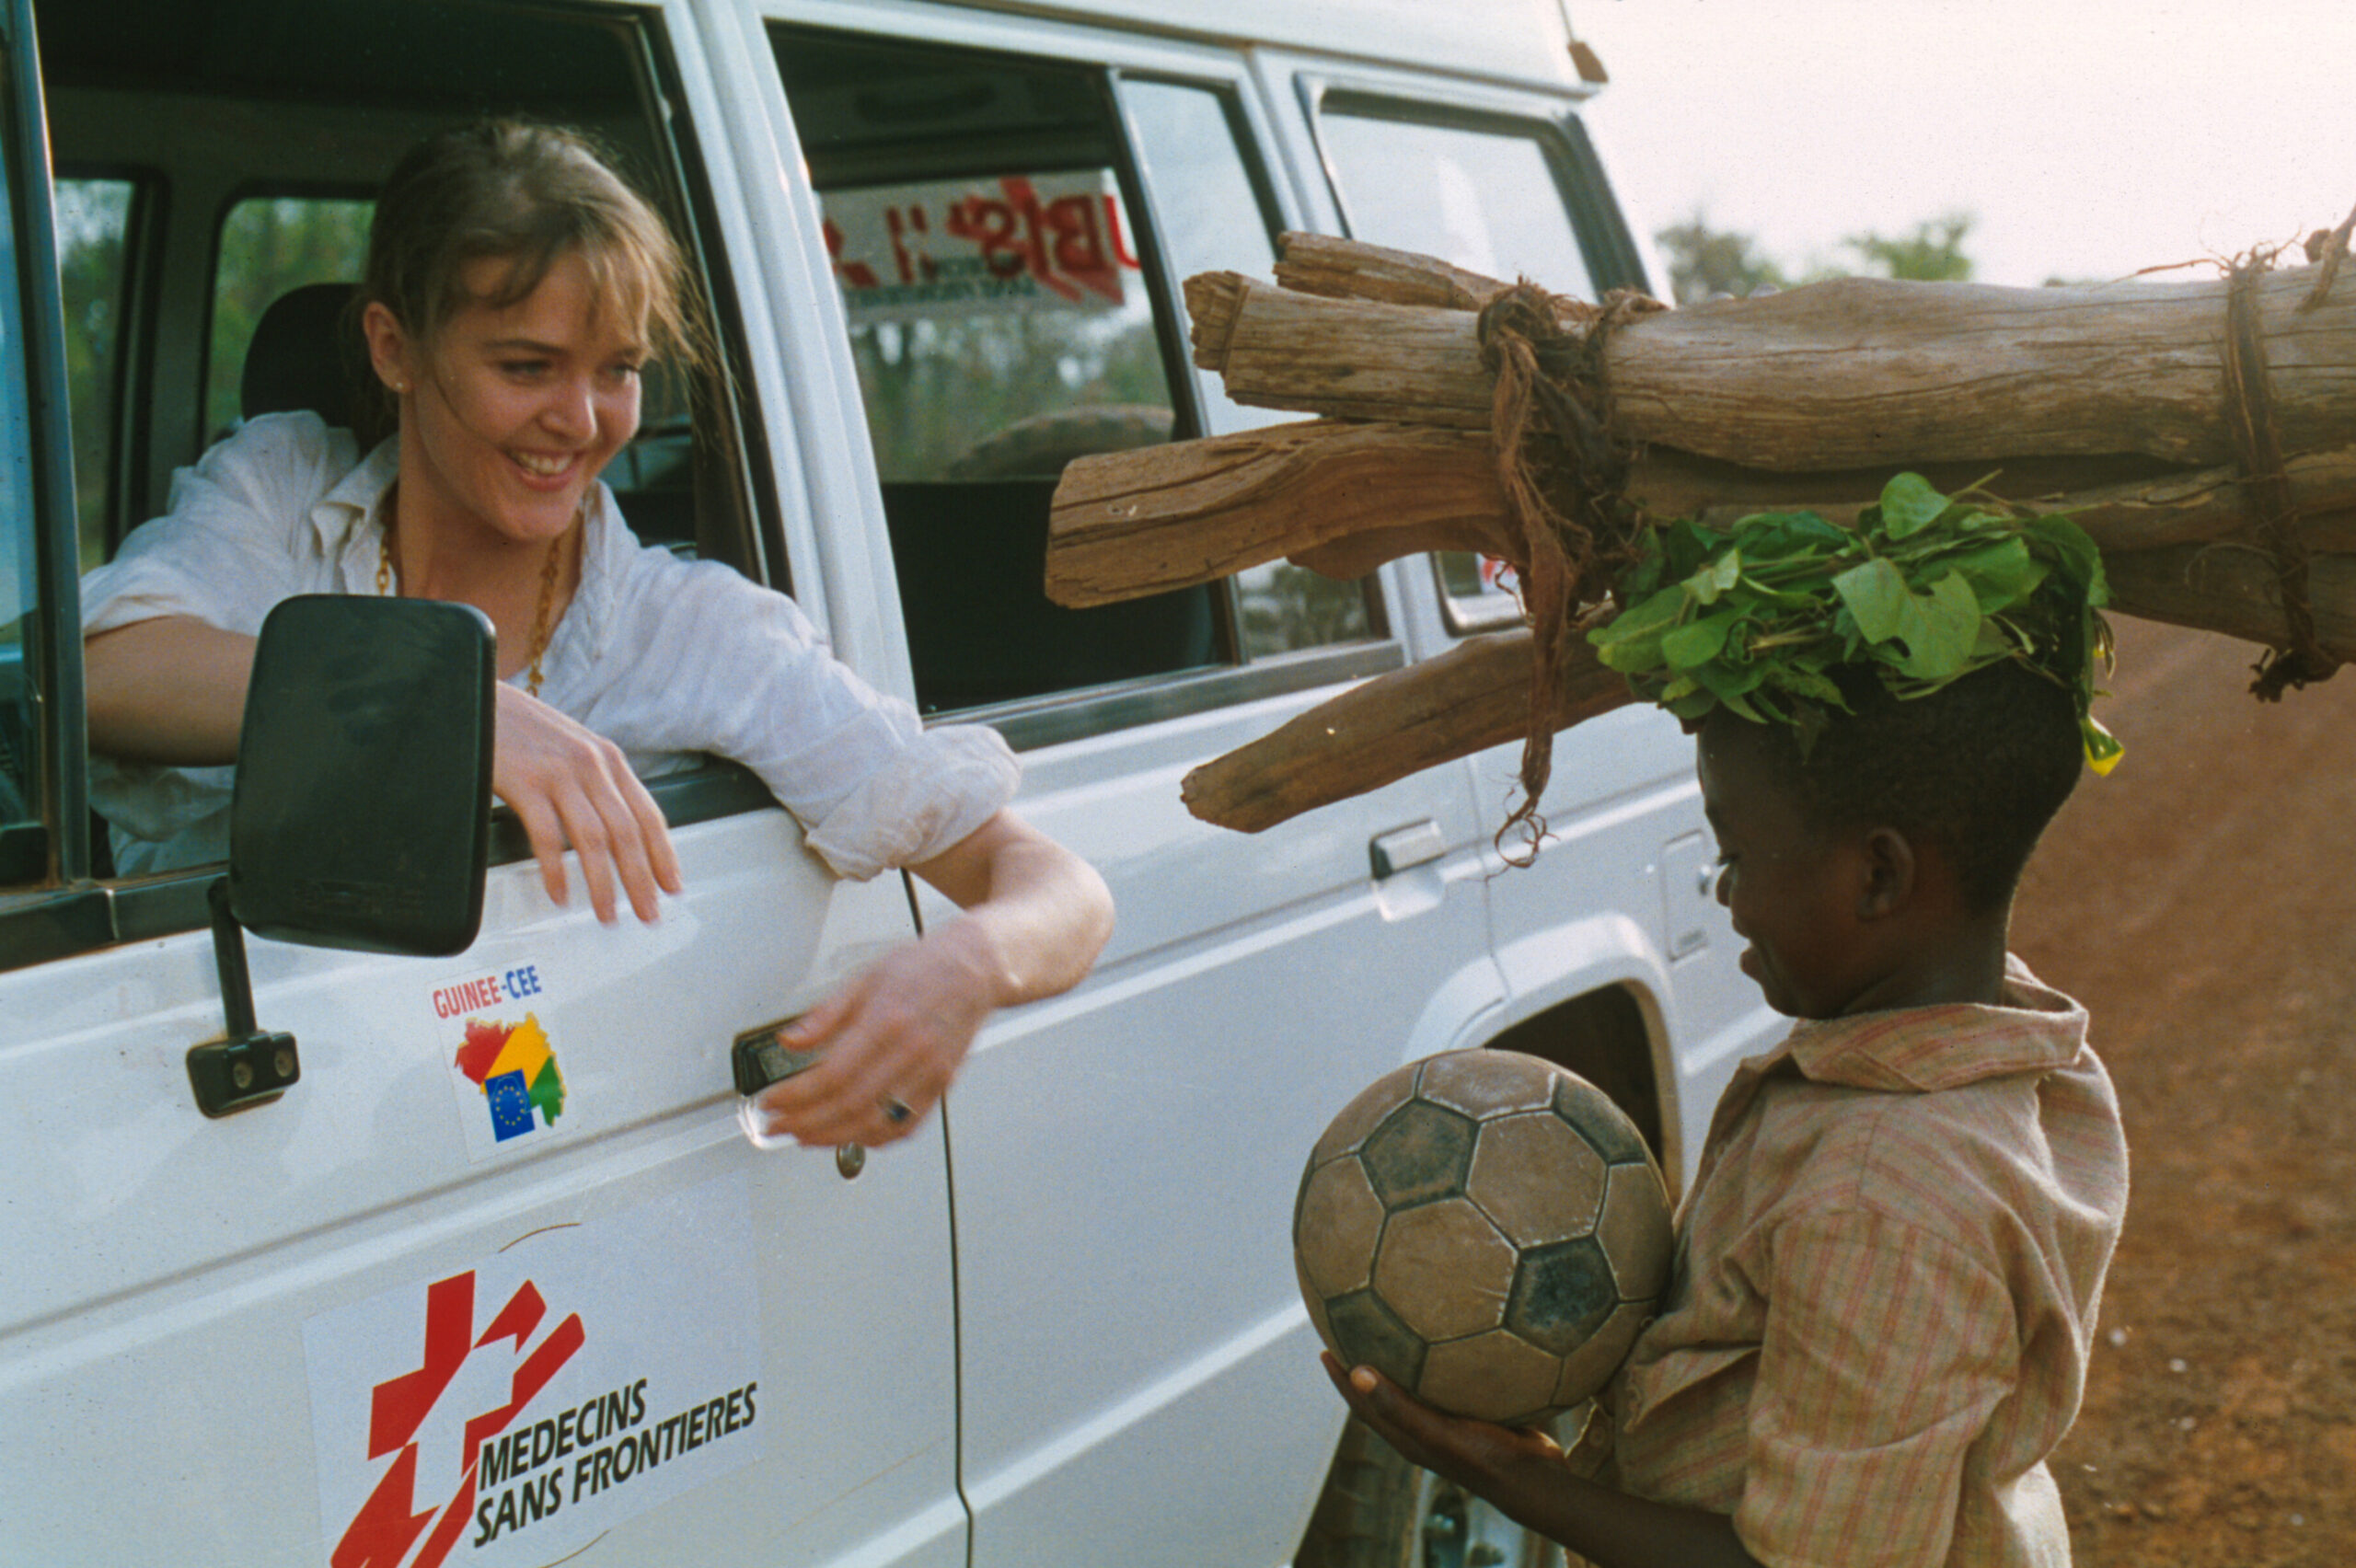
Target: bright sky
[(2091, 138)]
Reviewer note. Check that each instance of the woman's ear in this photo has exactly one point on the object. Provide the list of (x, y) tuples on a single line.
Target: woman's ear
[(390, 353), (1892, 874)]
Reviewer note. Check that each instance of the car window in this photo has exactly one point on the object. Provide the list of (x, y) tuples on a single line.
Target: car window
[(1010, 309), (999, 321), (269, 246), (181, 231), (1216, 218), (1489, 196), (94, 220)]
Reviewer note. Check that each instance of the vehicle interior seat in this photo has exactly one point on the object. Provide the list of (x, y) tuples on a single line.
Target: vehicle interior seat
[(971, 558), (306, 355)]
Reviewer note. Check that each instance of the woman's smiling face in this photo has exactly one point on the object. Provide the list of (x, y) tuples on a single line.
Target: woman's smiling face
[(509, 415)]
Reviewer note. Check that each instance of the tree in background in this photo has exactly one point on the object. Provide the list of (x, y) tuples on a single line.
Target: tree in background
[(1711, 264), (1933, 253), (1707, 263)]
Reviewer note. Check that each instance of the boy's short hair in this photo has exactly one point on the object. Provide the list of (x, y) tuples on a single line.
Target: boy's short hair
[(1977, 767)]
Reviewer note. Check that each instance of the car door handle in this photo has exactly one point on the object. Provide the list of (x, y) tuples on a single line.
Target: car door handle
[(1395, 851)]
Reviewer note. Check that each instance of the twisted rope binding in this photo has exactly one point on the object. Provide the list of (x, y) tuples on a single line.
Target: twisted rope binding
[(1564, 470)]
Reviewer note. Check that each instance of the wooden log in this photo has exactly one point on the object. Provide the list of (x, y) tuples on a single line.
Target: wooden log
[(1342, 498), (1343, 269), (2233, 589), (1927, 372), (1476, 695), (1348, 358), (1125, 524), (1473, 697)]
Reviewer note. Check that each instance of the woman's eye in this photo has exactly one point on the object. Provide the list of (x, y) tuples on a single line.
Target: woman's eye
[(521, 370)]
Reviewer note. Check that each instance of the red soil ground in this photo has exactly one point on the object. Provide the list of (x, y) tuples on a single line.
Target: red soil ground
[(2199, 901)]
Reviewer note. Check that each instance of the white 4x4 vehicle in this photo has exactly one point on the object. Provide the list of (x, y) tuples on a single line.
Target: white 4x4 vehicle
[(495, 1279)]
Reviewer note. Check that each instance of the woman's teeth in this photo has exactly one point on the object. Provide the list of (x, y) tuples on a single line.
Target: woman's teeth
[(546, 468)]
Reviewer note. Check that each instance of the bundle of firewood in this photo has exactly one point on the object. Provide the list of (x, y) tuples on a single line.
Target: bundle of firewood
[(2203, 433)]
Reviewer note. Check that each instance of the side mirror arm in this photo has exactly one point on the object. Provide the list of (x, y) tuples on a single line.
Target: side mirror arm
[(246, 1066)]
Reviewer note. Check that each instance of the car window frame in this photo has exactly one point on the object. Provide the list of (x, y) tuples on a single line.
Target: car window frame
[(77, 910), (1086, 712), (61, 912)]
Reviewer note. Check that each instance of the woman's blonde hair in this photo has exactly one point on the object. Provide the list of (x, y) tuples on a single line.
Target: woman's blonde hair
[(527, 195)]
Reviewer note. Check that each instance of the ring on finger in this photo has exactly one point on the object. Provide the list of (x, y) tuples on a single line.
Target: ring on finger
[(897, 1110)]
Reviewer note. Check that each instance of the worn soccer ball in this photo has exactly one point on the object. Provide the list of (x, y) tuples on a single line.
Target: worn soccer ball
[(1486, 1230)]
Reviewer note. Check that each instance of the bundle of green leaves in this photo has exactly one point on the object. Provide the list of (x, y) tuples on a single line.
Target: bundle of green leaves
[(1925, 589)]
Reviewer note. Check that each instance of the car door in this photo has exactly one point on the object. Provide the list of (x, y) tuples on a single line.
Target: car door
[(1007, 207), (498, 1278)]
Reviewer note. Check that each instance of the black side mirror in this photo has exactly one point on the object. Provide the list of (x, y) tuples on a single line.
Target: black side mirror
[(362, 816)]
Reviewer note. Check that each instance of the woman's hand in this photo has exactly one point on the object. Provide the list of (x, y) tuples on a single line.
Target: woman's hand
[(569, 786), (893, 1038), (1035, 916)]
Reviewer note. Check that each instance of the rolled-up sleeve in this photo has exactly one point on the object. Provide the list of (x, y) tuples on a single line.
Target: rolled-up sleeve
[(237, 536), (1887, 1348), (748, 677)]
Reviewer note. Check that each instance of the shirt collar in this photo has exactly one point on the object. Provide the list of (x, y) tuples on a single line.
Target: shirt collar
[(2032, 1028), (345, 518)]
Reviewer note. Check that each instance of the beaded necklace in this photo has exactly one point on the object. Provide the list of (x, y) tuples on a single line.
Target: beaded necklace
[(543, 626)]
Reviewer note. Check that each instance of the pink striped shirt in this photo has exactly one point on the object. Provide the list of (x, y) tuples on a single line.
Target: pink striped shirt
[(1887, 1280)]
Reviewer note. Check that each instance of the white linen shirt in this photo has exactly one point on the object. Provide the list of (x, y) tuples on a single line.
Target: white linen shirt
[(663, 657)]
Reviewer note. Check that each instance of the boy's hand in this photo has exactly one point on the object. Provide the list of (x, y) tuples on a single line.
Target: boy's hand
[(1529, 1480), (1489, 1461)]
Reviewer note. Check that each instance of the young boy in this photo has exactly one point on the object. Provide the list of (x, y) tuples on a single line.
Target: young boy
[(1890, 1264)]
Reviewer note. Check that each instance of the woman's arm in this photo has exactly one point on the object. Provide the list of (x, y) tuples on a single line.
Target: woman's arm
[(1523, 1474), (1035, 918), (172, 690)]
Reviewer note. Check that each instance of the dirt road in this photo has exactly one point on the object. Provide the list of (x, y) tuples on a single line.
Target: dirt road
[(2200, 902)]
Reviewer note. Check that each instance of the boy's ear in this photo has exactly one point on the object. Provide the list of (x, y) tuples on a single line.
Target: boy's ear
[(1892, 874)]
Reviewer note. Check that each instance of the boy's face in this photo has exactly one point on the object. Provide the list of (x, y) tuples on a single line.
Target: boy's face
[(1794, 889)]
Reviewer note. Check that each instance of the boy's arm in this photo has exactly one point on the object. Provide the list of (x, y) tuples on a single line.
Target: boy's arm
[(1524, 1474)]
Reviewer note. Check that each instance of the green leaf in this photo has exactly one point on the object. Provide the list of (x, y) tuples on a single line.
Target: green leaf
[(1719, 578), (2002, 574), (1941, 627), (1814, 685), (1781, 535), (1698, 643), (2080, 561), (1729, 681), (1630, 641), (1909, 505), (1875, 594)]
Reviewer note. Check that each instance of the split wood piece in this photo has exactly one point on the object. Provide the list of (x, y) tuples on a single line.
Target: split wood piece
[(1346, 269), (1856, 373), (2233, 589), (1350, 358), (2148, 510), (1476, 696), (1344, 497), (1133, 523), (1471, 697)]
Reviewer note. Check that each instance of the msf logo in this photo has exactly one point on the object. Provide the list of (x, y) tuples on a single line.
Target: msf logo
[(390, 1523)]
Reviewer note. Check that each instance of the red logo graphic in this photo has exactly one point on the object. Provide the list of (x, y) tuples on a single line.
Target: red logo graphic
[(389, 1524)]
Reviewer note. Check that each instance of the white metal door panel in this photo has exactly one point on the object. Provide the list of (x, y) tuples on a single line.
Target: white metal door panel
[(167, 1268), (1139, 1376)]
